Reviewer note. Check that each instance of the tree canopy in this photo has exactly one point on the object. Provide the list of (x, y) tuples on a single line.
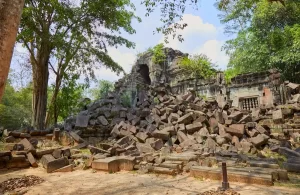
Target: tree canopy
[(268, 36)]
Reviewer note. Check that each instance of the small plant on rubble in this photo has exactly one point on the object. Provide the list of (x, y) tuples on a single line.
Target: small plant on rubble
[(159, 55), (199, 66)]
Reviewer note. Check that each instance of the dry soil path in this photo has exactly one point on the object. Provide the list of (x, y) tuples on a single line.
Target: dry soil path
[(123, 183)]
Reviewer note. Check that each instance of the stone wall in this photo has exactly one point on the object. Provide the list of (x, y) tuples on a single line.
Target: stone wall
[(246, 91)]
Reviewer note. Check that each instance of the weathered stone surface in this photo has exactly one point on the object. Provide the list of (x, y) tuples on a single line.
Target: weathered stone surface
[(236, 129), (32, 160), (277, 116), (259, 140), (235, 116), (82, 120), (68, 168), (187, 143), (95, 150), (191, 128), (51, 164), (102, 120), (57, 153), (292, 167), (246, 147), (181, 136), (76, 137), (9, 139), (27, 145), (161, 134), (144, 148), (186, 119), (204, 132), (142, 136), (41, 153), (288, 152), (114, 164)]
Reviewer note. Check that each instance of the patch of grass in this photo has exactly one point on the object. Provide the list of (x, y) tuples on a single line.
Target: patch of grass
[(85, 151), (275, 155), (294, 181), (1, 146)]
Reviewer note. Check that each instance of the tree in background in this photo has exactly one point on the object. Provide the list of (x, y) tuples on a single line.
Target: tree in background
[(67, 100), (199, 66), (15, 108), (73, 35), (269, 37), (10, 14), (102, 89)]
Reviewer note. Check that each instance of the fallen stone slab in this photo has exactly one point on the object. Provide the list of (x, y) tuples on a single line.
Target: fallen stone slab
[(27, 145), (292, 167), (68, 168), (5, 153), (233, 175), (259, 140), (76, 137), (236, 129), (162, 170), (277, 174), (263, 164), (82, 121), (95, 150), (41, 153), (176, 167), (288, 152), (32, 160), (186, 119), (51, 164), (114, 164), (17, 164), (185, 158)]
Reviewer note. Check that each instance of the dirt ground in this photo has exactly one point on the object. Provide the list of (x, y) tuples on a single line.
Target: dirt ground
[(131, 183)]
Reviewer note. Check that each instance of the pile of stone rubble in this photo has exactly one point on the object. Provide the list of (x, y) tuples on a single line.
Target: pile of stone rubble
[(162, 123), (165, 133)]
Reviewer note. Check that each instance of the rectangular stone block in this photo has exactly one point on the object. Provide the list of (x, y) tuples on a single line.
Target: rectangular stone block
[(32, 160)]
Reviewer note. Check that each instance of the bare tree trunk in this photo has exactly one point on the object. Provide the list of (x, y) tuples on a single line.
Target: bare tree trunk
[(53, 105), (40, 74), (10, 16)]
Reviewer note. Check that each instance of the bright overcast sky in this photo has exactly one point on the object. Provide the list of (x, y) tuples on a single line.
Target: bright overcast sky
[(204, 34)]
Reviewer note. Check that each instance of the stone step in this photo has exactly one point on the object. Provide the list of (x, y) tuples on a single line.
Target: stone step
[(234, 175), (114, 164), (174, 162), (162, 170), (183, 158), (176, 167), (263, 164), (277, 174)]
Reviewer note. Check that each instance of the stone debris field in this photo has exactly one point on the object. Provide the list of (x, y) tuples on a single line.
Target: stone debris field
[(167, 134)]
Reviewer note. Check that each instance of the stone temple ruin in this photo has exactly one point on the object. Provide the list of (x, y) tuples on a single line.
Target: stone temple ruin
[(246, 91), (253, 124)]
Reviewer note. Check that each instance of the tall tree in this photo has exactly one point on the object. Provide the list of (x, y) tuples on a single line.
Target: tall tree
[(10, 15), (269, 40), (73, 34)]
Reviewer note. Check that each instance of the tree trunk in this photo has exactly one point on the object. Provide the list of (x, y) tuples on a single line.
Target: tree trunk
[(53, 104), (40, 85), (10, 15)]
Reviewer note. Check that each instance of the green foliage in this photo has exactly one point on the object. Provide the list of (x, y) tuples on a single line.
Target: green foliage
[(102, 89), (171, 15), (158, 52), (15, 108), (230, 73), (198, 65), (269, 39), (68, 99), (126, 99)]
